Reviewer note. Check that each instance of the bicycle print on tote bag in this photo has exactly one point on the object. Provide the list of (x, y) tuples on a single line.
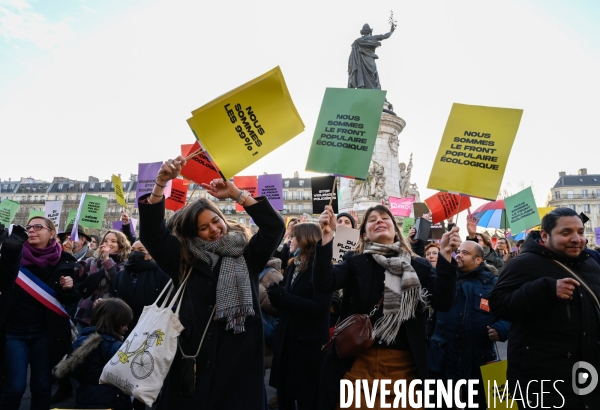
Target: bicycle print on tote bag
[(141, 365)]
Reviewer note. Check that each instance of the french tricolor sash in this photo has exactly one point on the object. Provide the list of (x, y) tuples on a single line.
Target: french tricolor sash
[(40, 291)]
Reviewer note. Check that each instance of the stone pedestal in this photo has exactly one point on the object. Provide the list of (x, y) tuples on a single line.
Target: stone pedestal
[(383, 179)]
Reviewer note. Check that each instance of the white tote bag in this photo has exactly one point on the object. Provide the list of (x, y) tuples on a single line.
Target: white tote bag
[(141, 365)]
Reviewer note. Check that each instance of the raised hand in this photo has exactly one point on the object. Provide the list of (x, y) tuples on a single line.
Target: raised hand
[(104, 251), (170, 169), (222, 189), (449, 243), (328, 223), (471, 225), (124, 218), (17, 237), (411, 235)]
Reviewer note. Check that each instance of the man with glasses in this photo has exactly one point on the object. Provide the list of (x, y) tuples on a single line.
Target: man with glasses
[(463, 338), (503, 249)]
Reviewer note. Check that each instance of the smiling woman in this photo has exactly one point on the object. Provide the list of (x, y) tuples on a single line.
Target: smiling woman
[(100, 274), (383, 273), (223, 335)]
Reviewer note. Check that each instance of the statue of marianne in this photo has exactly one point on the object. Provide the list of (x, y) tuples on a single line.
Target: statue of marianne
[(362, 70)]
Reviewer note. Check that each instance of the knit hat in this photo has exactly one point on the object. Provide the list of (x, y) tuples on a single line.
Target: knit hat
[(347, 215)]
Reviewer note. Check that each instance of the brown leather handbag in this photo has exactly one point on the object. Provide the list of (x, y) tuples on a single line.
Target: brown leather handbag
[(353, 335)]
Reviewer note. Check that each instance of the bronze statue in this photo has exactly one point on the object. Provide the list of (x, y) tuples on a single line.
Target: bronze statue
[(362, 70)]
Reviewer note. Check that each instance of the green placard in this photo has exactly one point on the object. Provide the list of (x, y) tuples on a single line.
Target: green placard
[(92, 211), (346, 132), (71, 217), (407, 224), (8, 210), (521, 211), (35, 212)]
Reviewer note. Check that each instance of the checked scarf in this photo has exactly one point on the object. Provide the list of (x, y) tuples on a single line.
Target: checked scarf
[(234, 294), (402, 291)]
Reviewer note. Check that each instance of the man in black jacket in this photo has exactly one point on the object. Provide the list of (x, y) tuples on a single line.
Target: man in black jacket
[(554, 313)]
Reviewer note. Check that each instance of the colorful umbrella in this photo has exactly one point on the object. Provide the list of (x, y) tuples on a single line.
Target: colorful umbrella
[(492, 215), (521, 235)]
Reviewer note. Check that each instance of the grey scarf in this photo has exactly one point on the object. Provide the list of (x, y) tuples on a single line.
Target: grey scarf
[(402, 292), (234, 294), (82, 252)]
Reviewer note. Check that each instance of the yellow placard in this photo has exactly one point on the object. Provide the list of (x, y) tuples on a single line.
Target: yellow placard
[(119, 193), (545, 210), (496, 386), (242, 126), (474, 150)]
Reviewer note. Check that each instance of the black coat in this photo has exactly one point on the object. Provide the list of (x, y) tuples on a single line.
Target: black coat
[(230, 367), (548, 335), (151, 280), (58, 327), (302, 330), (363, 282), (10, 261)]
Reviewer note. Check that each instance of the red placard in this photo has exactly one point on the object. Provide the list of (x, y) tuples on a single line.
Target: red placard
[(177, 200), (199, 168), (443, 205), (249, 184)]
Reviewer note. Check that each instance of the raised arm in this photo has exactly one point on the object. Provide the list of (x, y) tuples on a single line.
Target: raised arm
[(271, 226), (164, 247), (386, 35), (326, 276)]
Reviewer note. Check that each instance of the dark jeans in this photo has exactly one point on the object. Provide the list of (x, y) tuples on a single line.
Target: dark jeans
[(27, 345)]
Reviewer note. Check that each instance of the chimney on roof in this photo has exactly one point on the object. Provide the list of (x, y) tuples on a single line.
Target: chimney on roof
[(562, 174), (295, 174), (582, 171)]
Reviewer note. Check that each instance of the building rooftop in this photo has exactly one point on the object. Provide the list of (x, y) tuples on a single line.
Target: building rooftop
[(578, 180)]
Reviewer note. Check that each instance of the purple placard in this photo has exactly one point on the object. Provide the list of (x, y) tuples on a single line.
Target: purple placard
[(146, 176), (118, 225), (271, 186), (597, 232)]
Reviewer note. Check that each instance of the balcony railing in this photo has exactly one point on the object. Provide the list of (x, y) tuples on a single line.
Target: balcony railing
[(591, 195)]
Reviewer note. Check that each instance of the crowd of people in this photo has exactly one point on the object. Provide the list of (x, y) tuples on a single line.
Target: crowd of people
[(436, 307)]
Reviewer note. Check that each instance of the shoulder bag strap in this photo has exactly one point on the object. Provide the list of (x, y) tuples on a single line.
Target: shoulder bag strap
[(201, 340), (580, 280)]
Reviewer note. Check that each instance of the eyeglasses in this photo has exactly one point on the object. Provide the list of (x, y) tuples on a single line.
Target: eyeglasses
[(37, 227)]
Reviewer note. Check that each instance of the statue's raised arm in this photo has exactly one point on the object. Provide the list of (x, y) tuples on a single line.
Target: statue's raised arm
[(362, 70)]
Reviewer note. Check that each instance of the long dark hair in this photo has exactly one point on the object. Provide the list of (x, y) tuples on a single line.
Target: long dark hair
[(307, 234), (362, 242), (110, 315), (185, 228)]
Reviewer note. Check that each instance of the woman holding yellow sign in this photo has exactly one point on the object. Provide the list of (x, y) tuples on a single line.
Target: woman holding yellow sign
[(220, 357)]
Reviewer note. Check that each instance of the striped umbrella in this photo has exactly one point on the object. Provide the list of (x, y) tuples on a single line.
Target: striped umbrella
[(492, 215)]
